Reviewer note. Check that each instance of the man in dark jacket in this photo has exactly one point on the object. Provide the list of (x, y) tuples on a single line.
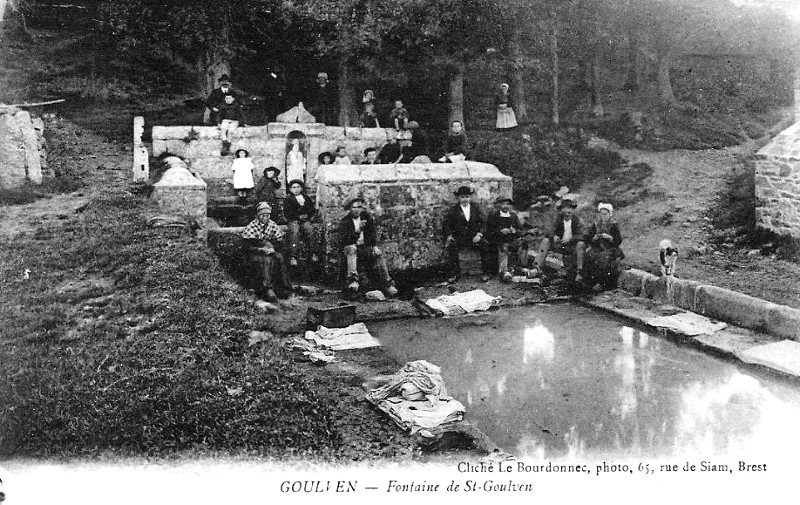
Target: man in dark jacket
[(464, 228), (566, 238), (358, 239), (225, 108), (503, 232)]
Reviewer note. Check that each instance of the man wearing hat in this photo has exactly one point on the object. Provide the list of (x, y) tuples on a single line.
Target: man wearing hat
[(225, 111), (502, 232), (567, 239), (358, 239), (463, 228), (298, 211), (260, 235)]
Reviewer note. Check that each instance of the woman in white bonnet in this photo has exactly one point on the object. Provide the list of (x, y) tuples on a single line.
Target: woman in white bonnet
[(603, 261), (506, 119)]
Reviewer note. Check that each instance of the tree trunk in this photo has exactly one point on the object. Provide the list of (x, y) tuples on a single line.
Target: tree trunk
[(345, 93), (634, 81), (518, 80), (455, 96), (594, 90), (663, 82), (554, 58), (213, 67)]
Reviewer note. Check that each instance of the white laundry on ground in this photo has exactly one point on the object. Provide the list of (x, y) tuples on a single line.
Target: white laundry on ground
[(457, 303), (688, 323), (355, 336), (416, 399)]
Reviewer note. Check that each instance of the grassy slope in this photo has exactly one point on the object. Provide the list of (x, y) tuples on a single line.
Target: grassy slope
[(125, 340)]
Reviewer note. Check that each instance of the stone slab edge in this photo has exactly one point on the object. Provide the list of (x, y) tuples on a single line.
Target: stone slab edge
[(726, 343)]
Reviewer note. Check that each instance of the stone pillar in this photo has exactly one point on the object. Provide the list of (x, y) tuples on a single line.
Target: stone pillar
[(141, 163), (180, 194), (19, 149)]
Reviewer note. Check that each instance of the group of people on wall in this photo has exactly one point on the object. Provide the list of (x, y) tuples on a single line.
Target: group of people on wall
[(506, 245), (224, 108)]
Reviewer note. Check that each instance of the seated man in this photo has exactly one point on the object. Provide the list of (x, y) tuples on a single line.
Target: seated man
[(567, 239), (260, 236), (463, 228), (358, 239), (503, 232), (226, 112)]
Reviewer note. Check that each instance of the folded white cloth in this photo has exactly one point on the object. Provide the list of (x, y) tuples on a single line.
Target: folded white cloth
[(468, 301), (355, 336)]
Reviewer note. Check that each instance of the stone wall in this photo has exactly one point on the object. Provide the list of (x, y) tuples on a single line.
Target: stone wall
[(179, 194), (200, 145), (777, 184), (408, 202), (21, 148)]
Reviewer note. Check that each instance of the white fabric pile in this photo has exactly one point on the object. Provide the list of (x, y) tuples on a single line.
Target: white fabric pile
[(688, 323), (415, 398), (355, 336), (461, 303)]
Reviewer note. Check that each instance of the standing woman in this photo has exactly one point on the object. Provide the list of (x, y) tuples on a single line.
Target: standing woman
[(242, 173), (506, 119)]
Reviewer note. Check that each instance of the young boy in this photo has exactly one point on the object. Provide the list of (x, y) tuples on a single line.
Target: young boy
[(399, 115), (502, 232), (298, 211)]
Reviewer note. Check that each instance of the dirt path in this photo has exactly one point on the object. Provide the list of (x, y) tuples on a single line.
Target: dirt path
[(677, 201)]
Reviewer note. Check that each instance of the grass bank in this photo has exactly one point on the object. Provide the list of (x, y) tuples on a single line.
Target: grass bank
[(123, 340)]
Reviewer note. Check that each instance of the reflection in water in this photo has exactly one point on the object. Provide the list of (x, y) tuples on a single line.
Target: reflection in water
[(501, 385), (589, 387), (539, 344)]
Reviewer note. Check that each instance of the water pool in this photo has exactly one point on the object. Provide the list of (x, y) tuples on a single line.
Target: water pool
[(564, 380)]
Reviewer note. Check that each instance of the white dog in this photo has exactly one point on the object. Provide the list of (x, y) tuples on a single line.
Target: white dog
[(668, 255)]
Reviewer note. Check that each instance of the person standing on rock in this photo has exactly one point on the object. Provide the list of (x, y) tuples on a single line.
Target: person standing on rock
[(260, 236), (358, 239), (506, 120), (225, 111), (322, 102), (242, 168), (298, 209)]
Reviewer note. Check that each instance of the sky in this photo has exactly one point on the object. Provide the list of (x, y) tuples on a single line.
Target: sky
[(790, 7)]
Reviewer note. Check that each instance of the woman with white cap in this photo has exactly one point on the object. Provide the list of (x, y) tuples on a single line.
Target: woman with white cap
[(603, 254), (506, 119)]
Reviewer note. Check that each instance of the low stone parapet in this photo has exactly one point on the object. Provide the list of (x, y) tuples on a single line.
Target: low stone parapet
[(718, 303), (200, 146)]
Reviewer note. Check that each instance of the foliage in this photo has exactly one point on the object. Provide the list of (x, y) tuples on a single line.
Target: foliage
[(541, 162)]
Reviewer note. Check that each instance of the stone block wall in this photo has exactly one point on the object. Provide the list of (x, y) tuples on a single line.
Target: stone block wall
[(200, 146), (21, 148), (179, 194), (408, 202), (777, 184)]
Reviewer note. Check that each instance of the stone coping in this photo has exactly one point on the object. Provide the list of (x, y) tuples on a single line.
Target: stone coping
[(786, 145), (718, 303), (464, 170)]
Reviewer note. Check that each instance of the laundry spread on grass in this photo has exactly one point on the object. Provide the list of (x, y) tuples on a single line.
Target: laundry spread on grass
[(462, 303), (312, 352), (688, 323), (355, 336), (416, 399)]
